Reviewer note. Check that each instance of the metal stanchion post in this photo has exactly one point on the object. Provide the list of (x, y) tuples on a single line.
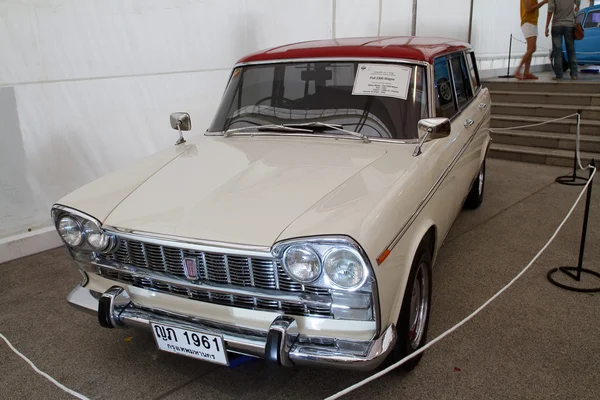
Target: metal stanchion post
[(579, 268), (573, 180), (508, 75)]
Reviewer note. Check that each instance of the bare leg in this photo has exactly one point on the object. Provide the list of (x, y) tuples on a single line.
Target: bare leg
[(531, 48)]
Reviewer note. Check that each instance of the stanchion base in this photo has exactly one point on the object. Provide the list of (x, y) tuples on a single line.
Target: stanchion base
[(506, 76), (567, 271), (571, 180)]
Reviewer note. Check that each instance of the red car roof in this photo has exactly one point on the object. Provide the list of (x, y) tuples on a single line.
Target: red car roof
[(406, 47)]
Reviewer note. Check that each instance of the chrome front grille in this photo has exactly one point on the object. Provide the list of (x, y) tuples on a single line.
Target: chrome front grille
[(239, 271)]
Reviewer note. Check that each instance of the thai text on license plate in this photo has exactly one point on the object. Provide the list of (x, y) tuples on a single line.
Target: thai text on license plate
[(190, 343)]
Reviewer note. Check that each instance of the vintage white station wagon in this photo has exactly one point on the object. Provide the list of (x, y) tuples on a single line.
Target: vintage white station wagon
[(303, 225)]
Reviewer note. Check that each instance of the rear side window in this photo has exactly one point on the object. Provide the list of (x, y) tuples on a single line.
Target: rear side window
[(579, 18), (593, 19), (444, 90), (462, 81), (472, 66)]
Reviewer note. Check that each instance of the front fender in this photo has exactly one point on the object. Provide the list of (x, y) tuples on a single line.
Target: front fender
[(392, 274)]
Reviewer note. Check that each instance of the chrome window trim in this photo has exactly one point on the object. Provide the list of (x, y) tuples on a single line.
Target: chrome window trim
[(318, 135), (308, 299), (468, 103), (434, 188), (426, 65), (322, 59), (431, 90), (470, 55)]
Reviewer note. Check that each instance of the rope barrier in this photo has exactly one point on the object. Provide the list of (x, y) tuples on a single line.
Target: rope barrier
[(42, 373), (502, 290), (539, 47), (512, 128)]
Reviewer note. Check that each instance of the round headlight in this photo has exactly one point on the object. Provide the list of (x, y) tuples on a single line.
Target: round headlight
[(95, 237), (70, 230), (345, 268), (302, 263)]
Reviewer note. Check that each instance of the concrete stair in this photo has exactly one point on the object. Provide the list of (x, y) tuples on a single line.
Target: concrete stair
[(530, 103)]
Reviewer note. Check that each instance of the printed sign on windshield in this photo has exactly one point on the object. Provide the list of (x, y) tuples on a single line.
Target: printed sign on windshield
[(382, 80)]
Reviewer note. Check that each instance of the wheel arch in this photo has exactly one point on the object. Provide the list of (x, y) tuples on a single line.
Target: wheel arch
[(426, 234)]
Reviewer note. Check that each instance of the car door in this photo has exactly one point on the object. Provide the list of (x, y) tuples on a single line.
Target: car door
[(468, 121), (588, 49), (454, 100)]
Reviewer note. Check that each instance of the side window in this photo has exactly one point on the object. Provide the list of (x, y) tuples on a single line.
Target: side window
[(579, 18), (593, 19), (462, 82), (444, 90), (472, 65)]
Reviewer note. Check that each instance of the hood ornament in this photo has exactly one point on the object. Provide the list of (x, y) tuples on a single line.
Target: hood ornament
[(182, 122)]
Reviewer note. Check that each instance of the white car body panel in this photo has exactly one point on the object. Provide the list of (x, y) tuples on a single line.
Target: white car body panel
[(243, 194)]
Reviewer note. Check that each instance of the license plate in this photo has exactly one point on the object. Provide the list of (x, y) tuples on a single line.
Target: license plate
[(189, 343)]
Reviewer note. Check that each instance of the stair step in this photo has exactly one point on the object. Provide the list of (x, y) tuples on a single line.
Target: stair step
[(538, 155), (575, 99), (587, 127), (545, 110), (551, 140), (581, 86)]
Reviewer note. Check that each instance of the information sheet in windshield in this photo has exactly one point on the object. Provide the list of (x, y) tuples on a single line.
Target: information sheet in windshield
[(382, 80)]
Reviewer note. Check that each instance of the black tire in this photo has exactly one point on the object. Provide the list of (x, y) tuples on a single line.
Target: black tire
[(405, 344), (475, 197)]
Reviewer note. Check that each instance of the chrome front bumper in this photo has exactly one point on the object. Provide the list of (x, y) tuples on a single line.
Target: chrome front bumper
[(280, 343)]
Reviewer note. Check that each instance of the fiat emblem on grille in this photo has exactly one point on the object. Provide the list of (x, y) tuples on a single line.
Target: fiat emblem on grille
[(190, 268)]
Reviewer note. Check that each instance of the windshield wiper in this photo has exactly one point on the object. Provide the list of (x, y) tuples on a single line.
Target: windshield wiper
[(337, 127), (306, 127), (263, 128)]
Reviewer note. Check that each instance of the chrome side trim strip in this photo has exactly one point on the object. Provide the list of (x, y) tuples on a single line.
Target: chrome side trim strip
[(320, 59), (435, 186), (312, 300)]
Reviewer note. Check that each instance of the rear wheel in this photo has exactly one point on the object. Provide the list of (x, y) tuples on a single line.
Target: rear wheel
[(413, 321), (475, 197)]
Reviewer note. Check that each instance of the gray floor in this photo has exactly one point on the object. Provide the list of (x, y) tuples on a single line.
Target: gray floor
[(536, 341)]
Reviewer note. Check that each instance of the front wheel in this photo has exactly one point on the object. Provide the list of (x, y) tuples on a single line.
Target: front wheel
[(475, 196), (413, 321)]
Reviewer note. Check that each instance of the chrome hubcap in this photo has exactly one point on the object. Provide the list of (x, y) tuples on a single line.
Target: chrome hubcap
[(419, 306), (480, 189)]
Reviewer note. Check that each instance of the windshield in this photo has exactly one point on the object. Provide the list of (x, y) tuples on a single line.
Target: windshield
[(382, 101)]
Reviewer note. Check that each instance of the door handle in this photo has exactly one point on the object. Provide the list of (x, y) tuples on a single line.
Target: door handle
[(482, 106), (469, 122)]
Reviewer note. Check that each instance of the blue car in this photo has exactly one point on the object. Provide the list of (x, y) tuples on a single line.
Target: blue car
[(587, 50)]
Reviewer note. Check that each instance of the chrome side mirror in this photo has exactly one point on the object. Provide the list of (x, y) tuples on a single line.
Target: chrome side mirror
[(182, 122), (432, 128)]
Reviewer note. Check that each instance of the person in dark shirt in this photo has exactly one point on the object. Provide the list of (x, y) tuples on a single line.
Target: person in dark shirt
[(562, 15)]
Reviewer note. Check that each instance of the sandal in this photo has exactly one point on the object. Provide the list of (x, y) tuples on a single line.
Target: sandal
[(530, 77)]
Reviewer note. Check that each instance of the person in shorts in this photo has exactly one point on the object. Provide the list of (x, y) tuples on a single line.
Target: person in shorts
[(530, 12)]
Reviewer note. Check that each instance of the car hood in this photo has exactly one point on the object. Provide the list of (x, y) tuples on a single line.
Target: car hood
[(240, 189)]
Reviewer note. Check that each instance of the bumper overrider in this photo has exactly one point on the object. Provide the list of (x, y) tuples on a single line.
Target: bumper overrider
[(279, 344)]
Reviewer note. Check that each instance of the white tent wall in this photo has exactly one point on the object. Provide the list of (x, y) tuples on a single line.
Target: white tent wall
[(87, 86)]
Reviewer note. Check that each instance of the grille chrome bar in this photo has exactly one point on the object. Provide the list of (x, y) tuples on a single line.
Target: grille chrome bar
[(245, 280), (300, 298)]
